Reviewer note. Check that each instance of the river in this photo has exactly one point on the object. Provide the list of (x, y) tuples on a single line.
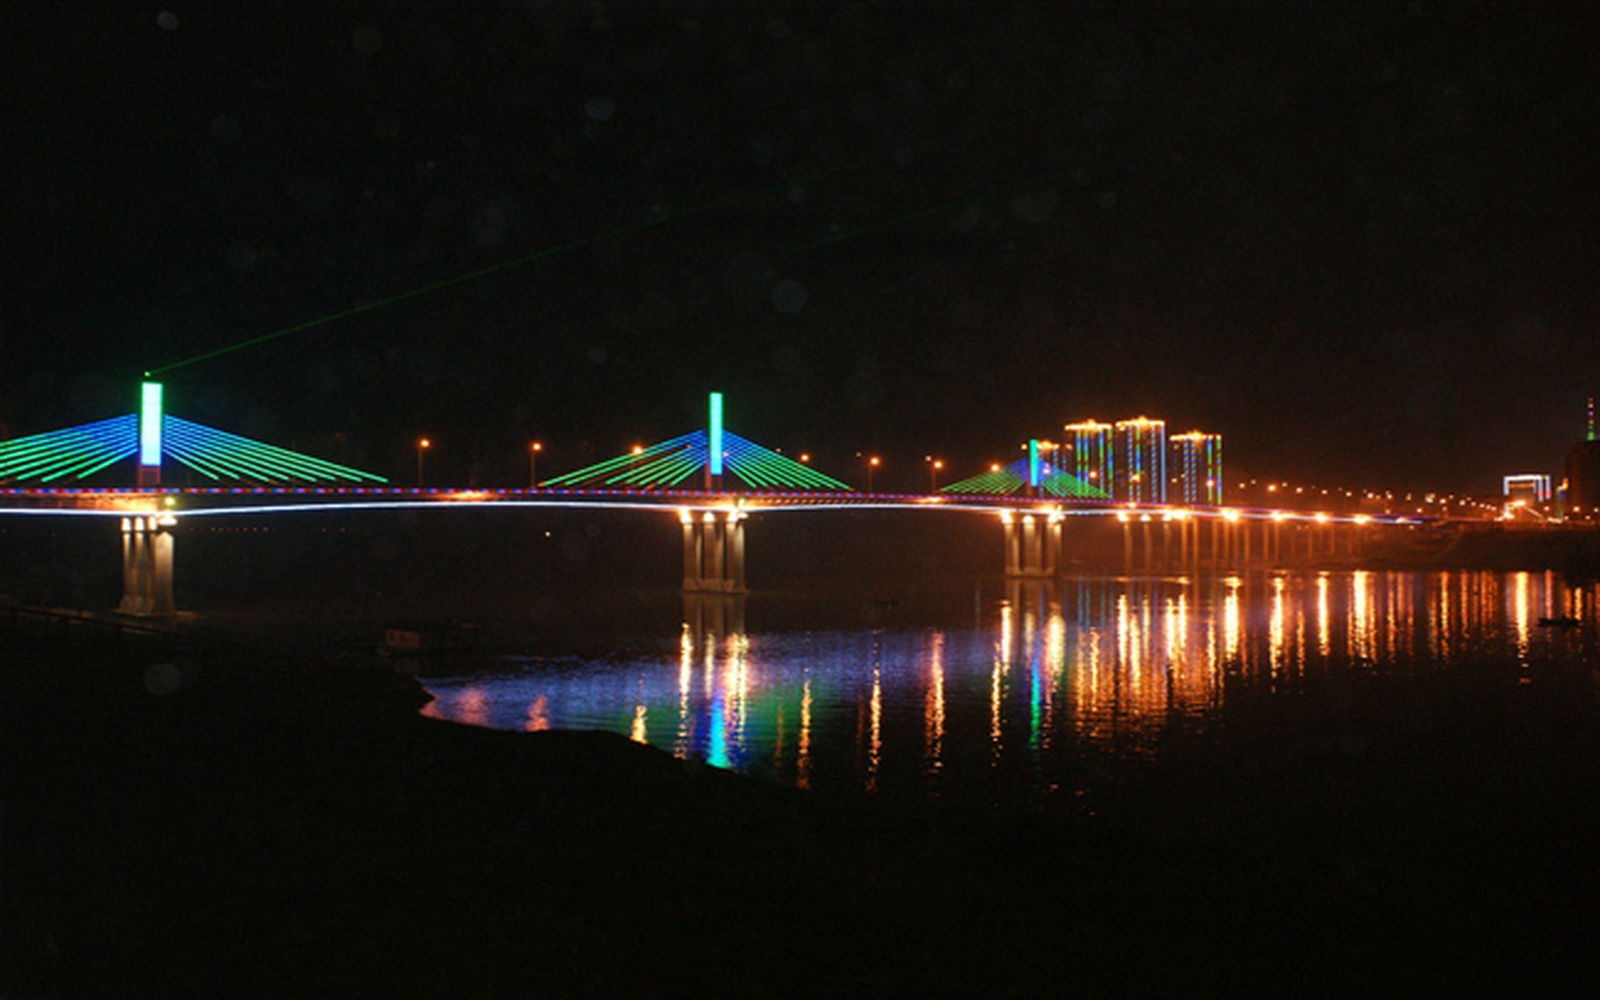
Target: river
[(1026, 693)]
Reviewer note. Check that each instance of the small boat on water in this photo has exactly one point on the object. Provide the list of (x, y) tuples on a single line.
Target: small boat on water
[(411, 638), (1559, 621)]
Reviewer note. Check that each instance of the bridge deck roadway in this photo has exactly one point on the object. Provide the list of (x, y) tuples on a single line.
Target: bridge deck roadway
[(262, 500)]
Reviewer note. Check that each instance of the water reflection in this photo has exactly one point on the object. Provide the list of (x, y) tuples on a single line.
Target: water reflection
[(1106, 663)]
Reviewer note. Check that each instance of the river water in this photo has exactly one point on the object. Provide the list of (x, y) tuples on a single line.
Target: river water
[(1024, 692)]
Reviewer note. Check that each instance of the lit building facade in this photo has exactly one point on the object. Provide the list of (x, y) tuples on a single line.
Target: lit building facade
[(1091, 446), (1199, 466), (1528, 487), (1139, 465)]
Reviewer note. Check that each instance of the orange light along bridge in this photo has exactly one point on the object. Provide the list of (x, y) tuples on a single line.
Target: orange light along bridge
[(695, 477), (1154, 538)]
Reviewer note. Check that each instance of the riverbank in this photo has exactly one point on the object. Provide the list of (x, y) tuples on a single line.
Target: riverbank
[(193, 819)]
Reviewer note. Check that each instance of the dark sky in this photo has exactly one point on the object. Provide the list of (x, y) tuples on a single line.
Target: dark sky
[(1360, 242)]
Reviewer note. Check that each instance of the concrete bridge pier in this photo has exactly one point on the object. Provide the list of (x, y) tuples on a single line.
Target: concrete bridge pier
[(147, 566), (1032, 544), (713, 552)]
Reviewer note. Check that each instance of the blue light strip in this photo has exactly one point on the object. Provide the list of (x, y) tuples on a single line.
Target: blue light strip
[(715, 447), (216, 453), (78, 451), (150, 424)]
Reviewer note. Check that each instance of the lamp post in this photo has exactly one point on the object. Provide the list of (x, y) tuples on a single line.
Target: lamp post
[(934, 465), (533, 464), (872, 465), (423, 444)]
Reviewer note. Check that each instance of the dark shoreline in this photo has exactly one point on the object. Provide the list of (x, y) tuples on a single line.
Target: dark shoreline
[(184, 818)]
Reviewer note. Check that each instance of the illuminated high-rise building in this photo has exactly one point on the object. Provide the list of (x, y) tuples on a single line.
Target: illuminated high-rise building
[(1199, 461), (1139, 466), (1090, 453)]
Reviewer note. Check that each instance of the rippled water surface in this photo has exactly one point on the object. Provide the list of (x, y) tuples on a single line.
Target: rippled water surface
[(1030, 686)]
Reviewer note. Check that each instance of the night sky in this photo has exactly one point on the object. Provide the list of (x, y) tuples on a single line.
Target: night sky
[(1358, 241)]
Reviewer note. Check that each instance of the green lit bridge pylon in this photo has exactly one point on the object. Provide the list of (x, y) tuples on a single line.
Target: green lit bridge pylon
[(1032, 476), (702, 458), (77, 453), (713, 541), (80, 452)]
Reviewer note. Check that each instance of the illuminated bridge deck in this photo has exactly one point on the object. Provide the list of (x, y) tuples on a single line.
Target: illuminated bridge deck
[(203, 501)]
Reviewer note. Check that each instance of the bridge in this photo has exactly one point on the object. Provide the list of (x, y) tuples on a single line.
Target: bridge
[(711, 479)]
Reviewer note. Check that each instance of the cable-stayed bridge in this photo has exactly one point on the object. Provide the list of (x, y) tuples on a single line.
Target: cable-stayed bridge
[(711, 479)]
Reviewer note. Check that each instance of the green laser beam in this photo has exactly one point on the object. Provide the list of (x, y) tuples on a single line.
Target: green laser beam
[(544, 254), (481, 272)]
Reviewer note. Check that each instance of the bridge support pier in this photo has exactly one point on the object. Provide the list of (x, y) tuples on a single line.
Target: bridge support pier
[(1032, 545), (147, 567), (713, 552)]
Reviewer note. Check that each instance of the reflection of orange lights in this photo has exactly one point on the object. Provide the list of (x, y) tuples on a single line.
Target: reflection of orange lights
[(538, 716), (802, 778), (933, 707), (472, 707)]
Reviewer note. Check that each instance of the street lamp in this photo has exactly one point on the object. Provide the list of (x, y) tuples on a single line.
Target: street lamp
[(934, 465), (423, 444), (872, 464), (533, 464)]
